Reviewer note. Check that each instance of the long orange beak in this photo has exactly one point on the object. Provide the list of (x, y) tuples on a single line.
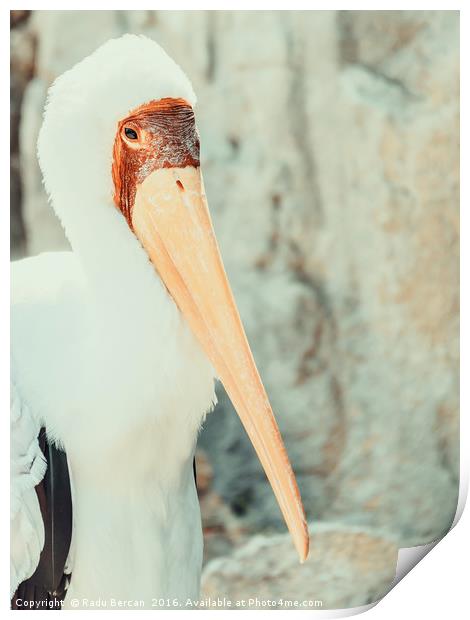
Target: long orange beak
[(172, 221)]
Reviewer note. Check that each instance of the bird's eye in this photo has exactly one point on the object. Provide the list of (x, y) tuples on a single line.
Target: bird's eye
[(131, 134)]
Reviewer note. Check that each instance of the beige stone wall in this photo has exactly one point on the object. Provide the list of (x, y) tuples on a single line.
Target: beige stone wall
[(330, 154)]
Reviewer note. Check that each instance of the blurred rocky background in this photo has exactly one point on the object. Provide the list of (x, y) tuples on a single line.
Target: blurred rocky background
[(331, 159)]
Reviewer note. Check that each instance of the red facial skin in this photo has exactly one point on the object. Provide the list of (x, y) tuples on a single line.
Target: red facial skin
[(166, 138)]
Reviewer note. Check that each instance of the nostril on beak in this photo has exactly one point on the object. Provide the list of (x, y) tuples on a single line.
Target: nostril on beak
[(180, 185)]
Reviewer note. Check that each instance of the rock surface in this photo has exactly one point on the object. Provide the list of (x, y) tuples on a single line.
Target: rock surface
[(330, 155), (346, 568)]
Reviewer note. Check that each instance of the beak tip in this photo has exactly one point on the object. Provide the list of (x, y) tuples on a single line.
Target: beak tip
[(302, 544), (304, 553)]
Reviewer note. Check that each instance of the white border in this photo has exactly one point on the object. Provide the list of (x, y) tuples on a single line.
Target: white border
[(440, 584)]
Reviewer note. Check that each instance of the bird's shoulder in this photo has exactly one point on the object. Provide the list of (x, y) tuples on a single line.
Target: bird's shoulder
[(46, 326), (47, 296), (45, 278)]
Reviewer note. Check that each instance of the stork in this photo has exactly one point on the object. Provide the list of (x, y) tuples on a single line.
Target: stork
[(116, 345)]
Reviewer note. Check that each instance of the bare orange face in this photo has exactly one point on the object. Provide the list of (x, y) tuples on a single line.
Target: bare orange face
[(158, 134)]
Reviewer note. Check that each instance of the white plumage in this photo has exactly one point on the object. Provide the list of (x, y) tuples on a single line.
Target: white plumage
[(27, 469)]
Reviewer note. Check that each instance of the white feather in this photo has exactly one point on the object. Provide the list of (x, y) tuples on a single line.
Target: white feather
[(101, 352), (27, 469)]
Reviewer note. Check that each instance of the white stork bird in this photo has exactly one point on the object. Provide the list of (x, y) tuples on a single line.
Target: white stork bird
[(115, 345)]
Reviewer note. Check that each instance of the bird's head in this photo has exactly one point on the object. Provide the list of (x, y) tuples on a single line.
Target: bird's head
[(157, 135), (126, 114)]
